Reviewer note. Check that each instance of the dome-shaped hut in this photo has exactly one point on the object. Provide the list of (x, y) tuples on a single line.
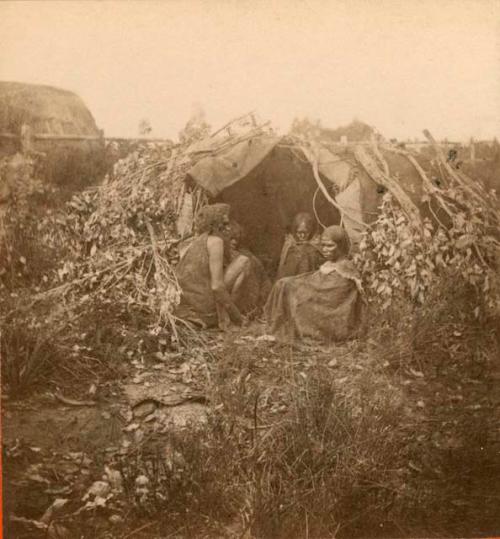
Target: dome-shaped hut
[(55, 122)]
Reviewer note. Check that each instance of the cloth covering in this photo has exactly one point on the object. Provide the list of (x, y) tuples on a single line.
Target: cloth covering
[(297, 258), (350, 200), (219, 170), (193, 274), (197, 299), (323, 305)]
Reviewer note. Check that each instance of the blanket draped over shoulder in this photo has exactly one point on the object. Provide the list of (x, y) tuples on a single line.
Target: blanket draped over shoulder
[(323, 305), (193, 274), (198, 303), (297, 258)]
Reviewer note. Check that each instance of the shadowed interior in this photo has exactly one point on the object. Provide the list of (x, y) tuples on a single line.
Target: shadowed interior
[(267, 199)]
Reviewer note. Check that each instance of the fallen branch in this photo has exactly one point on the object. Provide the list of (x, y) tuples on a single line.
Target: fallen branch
[(72, 402)]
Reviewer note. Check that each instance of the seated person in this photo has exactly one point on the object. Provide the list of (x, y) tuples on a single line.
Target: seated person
[(206, 274), (298, 254), (323, 304), (250, 289)]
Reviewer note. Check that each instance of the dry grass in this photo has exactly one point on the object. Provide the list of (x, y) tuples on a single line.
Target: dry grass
[(392, 441), (310, 455), (295, 448)]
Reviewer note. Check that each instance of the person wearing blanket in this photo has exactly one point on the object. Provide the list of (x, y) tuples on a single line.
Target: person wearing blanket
[(324, 304), (208, 279), (298, 254)]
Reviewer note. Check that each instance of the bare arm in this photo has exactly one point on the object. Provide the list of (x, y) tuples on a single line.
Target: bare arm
[(215, 248)]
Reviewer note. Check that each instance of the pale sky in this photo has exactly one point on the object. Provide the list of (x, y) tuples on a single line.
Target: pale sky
[(399, 65)]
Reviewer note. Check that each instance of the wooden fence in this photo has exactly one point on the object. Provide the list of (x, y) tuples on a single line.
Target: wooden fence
[(27, 138)]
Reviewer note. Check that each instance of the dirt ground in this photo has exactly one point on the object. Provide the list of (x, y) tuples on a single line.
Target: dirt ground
[(56, 449)]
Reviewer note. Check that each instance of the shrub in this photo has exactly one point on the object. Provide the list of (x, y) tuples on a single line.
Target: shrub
[(400, 261), (26, 357), (23, 259), (454, 326)]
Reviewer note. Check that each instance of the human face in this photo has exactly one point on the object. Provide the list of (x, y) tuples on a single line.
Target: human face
[(330, 249), (302, 232)]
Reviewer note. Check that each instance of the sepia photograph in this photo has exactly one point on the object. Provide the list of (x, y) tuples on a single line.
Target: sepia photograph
[(250, 269)]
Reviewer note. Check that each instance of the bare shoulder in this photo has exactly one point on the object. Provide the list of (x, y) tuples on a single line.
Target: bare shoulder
[(215, 244)]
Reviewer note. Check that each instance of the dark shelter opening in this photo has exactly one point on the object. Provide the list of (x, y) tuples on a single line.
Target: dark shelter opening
[(266, 201), (267, 180)]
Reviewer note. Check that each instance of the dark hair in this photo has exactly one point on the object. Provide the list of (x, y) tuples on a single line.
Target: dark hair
[(339, 236), (304, 218), (210, 218)]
